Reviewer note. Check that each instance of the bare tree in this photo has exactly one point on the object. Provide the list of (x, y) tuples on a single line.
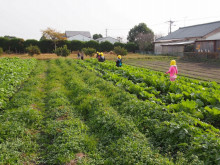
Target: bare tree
[(144, 41)]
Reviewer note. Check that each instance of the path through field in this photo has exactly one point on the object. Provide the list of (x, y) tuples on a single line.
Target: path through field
[(196, 70)]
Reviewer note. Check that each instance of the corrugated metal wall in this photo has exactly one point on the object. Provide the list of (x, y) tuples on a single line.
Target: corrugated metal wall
[(205, 46), (217, 46)]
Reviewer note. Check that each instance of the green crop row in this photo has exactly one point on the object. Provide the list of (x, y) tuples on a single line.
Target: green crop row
[(13, 71), (134, 82), (169, 131), (21, 120), (120, 142)]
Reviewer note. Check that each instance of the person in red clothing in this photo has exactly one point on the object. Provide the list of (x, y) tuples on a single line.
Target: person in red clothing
[(173, 71)]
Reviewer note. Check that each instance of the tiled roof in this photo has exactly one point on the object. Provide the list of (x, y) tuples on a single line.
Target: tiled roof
[(192, 31)]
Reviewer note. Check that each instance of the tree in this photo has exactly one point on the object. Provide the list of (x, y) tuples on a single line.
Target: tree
[(31, 50), (106, 46), (53, 35), (89, 51), (120, 50), (141, 35), (96, 36), (62, 51), (131, 47), (141, 28), (92, 44), (145, 41)]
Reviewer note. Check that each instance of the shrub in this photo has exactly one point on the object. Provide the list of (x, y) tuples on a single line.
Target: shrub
[(131, 47), (31, 50), (62, 51), (1, 51), (106, 46), (120, 50), (89, 51)]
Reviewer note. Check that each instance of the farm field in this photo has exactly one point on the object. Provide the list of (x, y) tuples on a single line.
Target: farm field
[(199, 70), (66, 111)]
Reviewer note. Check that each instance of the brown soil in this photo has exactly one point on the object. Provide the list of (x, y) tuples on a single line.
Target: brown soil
[(198, 70)]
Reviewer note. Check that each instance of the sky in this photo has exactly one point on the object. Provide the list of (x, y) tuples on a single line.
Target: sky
[(27, 18)]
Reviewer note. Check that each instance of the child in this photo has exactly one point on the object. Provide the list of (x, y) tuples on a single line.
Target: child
[(102, 58), (78, 55), (119, 61), (173, 71)]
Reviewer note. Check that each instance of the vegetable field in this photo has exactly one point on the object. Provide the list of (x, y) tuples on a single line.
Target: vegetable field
[(66, 111)]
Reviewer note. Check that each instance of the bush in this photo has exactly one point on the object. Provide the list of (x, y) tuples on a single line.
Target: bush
[(106, 46), (31, 50), (1, 51), (131, 47), (120, 50), (89, 51), (62, 51)]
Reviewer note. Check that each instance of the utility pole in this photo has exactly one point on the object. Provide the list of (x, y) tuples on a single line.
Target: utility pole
[(170, 22), (106, 32)]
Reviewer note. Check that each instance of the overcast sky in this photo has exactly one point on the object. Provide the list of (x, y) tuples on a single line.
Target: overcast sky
[(26, 18)]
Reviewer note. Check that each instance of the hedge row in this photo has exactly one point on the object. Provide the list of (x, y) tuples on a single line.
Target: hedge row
[(18, 45)]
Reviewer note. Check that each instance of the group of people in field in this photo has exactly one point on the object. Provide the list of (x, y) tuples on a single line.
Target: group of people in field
[(173, 71), (101, 58)]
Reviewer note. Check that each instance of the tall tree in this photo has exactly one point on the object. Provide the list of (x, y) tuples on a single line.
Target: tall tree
[(141, 35), (96, 36), (54, 35)]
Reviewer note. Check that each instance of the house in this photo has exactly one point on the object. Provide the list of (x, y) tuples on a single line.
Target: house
[(175, 42), (109, 39), (78, 35)]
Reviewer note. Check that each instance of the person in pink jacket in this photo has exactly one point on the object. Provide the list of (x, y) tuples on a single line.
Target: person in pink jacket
[(173, 71)]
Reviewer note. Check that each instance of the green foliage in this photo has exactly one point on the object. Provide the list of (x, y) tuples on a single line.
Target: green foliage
[(89, 51), (46, 46), (120, 50), (1, 51), (62, 51), (131, 47), (189, 48), (137, 29), (106, 46), (76, 45), (4, 43), (31, 50), (28, 43), (96, 36), (119, 44), (92, 44), (16, 45)]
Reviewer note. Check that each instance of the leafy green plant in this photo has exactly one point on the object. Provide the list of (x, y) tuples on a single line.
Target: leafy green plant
[(120, 50), (32, 50), (62, 51), (89, 51)]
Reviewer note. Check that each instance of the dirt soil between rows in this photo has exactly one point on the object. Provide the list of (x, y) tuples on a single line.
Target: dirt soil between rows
[(208, 71)]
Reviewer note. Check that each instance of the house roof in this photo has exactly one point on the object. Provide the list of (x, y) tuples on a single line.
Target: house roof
[(178, 43), (105, 38), (192, 31), (73, 33)]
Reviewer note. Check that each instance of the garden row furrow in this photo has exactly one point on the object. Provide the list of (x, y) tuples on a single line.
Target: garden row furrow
[(21, 122), (65, 138), (120, 142), (171, 132)]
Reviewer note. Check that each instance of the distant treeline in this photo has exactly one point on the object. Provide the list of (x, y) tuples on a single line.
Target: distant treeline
[(17, 45)]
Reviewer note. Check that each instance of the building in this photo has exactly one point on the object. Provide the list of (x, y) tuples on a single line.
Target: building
[(109, 39), (175, 42), (78, 35)]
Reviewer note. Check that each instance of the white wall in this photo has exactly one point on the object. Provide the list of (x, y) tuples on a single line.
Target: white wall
[(79, 37), (109, 39), (214, 37)]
